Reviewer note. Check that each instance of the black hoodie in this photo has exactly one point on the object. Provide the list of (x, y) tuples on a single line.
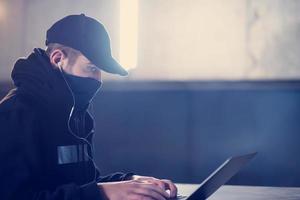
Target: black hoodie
[(40, 158)]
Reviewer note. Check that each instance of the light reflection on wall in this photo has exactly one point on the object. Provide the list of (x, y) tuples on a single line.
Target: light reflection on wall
[(172, 39), (213, 39), (128, 33), (2, 12)]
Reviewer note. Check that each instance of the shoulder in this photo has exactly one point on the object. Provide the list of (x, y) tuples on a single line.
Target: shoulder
[(19, 121), (14, 106)]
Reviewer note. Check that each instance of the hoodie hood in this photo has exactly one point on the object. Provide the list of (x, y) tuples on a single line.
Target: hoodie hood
[(35, 77)]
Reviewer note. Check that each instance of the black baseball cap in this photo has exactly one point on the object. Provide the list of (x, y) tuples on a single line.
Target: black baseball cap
[(88, 36)]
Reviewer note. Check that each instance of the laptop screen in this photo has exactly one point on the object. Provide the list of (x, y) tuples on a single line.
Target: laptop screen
[(220, 176)]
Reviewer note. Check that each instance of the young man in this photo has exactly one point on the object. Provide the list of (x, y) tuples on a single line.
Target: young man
[(45, 128)]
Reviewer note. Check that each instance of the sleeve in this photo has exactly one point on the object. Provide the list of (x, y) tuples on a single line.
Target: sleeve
[(118, 176), (69, 191), (19, 165)]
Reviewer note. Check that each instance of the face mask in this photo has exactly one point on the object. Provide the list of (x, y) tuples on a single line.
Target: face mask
[(83, 88)]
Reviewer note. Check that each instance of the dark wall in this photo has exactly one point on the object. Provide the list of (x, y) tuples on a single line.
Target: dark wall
[(184, 130)]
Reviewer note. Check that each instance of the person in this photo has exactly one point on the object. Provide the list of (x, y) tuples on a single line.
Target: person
[(47, 130)]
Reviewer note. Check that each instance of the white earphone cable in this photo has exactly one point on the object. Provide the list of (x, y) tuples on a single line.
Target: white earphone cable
[(91, 146)]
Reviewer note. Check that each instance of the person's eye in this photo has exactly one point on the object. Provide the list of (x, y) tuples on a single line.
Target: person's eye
[(92, 68)]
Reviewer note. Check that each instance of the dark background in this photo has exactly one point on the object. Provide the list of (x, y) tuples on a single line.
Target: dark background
[(184, 130)]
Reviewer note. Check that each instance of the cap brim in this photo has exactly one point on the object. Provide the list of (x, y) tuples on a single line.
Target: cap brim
[(110, 65)]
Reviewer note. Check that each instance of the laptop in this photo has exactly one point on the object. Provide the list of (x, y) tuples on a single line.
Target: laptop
[(218, 178)]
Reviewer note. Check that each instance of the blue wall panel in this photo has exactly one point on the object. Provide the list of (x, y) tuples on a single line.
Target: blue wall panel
[(184, 130)]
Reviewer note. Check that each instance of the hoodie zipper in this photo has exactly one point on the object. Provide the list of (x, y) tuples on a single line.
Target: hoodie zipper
[(80, 129)]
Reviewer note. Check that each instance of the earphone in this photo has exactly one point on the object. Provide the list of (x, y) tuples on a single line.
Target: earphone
[(59, 64), (84, 139)]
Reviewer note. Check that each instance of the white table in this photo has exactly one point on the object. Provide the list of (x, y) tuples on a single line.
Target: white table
[(246, 192)]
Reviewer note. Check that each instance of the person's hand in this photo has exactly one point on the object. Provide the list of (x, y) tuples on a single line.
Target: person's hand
[(162, 183), (133, 190)]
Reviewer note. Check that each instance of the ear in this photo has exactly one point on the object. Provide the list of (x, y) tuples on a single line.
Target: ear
[(56, 56)]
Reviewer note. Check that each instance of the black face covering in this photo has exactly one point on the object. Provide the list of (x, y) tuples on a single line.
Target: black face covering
[(83, 88)]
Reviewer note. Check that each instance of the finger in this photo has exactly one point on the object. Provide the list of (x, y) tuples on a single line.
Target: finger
[(161, 185), (148, 193), (170, 185), (148, 179), (153, 180), (135, 196), (157, 189)]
